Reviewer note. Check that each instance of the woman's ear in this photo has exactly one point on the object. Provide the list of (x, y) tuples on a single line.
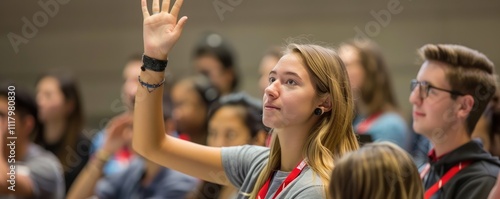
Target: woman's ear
[(326, 104), (260, 138)]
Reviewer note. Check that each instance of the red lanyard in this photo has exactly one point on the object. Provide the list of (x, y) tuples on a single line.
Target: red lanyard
[(446, 177), (294, 174), (363, 126)]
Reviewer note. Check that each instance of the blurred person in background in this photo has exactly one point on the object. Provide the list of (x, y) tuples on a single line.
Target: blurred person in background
[(376, 105), (141, 178), (377, 171), (267, 63), (121, 159), (214, 58), (38, 173), (488, 127), (61, 112), (192, 98), (235, 120)]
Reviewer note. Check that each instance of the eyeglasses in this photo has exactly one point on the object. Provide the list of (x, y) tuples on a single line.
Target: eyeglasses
[(425, 87)]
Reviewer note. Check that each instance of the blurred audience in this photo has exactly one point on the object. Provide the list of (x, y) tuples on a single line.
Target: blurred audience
[(122, 157), (141, 178), (214, 58), (27, 170), (267, 63), (377, 171), (236, 119), (377, 111), (61, 112), (191, 99), (488, 126)]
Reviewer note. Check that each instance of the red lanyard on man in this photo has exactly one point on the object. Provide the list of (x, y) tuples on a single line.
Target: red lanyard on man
[(363, 126), (446, 177), (294, 174)]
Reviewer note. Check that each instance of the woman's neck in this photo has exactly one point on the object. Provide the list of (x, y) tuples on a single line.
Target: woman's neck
[(54, 131), (292, 142)]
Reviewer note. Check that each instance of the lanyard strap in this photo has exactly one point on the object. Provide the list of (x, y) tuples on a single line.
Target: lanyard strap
[(363, 126), (446, 177), (294, 174)]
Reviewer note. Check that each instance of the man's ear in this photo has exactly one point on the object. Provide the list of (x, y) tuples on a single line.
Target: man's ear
[(465, 106), (326, 104)]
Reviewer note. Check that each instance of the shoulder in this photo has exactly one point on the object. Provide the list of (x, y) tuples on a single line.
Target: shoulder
[(391, 117)]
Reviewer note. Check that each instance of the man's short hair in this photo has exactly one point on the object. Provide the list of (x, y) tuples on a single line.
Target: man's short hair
[(25, 104), (470, 72)]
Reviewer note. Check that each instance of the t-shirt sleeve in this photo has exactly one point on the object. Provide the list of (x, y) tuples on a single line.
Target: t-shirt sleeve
[(46, 175), (241, 161)]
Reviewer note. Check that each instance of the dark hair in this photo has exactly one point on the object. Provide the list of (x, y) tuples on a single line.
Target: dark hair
[(253, 110), (25, 103), (74, 122), (205, 89), (376, 91), (222, 52)]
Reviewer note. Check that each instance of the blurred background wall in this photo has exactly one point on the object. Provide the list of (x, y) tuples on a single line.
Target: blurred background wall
[(94, 38)]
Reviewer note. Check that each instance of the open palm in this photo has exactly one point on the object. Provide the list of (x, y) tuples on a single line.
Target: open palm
[(161, 29)]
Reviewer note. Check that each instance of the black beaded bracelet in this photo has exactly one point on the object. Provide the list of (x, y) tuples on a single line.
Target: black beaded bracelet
[(150, 87), (153, 64)]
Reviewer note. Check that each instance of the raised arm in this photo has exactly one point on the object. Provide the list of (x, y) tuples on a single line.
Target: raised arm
[(161, 32)]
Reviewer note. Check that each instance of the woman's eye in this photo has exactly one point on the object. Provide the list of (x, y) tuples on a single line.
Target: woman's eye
[(271, 79), (291, 82)]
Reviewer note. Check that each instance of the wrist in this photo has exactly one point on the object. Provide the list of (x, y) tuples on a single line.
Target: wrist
[(103, 155), (155, 54)]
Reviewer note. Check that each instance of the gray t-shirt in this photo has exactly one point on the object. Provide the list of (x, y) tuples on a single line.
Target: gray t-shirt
[(45, 173), (243, 165)]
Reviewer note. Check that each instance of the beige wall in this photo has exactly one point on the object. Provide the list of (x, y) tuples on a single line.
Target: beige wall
[(93, 38)]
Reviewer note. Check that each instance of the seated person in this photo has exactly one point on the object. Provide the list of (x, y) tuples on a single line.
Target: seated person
[(377, 171), (38, 173), (141, 179)]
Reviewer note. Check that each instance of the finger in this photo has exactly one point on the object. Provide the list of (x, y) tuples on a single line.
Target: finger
[(177, 7), (156, 6), (165, 5), (145, 12), (180, 25)]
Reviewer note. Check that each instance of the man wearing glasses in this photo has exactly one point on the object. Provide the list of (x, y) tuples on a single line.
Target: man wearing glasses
[(451, 91)]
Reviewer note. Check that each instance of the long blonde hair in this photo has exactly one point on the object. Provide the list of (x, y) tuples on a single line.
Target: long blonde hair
[(332, 136), (376, 171)]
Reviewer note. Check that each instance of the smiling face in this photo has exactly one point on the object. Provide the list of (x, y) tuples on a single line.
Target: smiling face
[(290, 98), (436, 112)]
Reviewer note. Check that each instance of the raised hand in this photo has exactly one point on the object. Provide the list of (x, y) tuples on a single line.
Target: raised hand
[(161, 28), (118, 133)]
